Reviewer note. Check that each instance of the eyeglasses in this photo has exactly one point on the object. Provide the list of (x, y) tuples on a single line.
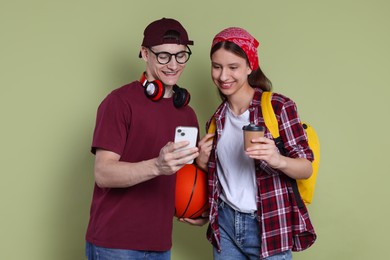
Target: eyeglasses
[(165, 57)]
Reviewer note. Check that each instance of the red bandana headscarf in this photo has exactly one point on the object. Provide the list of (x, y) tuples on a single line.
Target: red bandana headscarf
[(243, 39)]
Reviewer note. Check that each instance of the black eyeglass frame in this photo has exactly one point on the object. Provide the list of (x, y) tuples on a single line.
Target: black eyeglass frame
[(189, 53)]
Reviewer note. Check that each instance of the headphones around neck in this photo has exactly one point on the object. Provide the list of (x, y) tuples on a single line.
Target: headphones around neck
[(155, 90)]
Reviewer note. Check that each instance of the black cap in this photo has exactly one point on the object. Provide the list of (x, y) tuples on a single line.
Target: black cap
[(252, 127), (154, 33)]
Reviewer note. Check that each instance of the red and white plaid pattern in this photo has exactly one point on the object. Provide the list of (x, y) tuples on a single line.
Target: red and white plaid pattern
[(283, 226)]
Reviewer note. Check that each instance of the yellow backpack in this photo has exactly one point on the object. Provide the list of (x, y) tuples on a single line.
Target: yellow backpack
[(303, 189)]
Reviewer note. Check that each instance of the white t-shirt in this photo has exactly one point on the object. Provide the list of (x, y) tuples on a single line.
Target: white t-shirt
[(236, 171)]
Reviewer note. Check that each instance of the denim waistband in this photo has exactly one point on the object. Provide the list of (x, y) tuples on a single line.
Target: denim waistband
[(224, 204)]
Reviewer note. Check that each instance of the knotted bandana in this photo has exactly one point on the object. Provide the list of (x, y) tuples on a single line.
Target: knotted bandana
[(243, 39)]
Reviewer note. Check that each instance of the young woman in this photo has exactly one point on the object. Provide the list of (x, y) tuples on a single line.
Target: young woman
[(253, 211)]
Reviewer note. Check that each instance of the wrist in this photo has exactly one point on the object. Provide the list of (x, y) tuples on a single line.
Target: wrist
[(154, 167), (201, 165), (282, 165)]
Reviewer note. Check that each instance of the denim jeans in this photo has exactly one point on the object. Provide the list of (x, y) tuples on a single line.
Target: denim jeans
[(100, 253), (240, 237)]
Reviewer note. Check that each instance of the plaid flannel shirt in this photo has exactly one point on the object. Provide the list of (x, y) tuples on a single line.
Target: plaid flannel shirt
[(283, 226)]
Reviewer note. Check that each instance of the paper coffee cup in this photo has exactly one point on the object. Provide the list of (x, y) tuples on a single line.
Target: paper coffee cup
[(252, 131)]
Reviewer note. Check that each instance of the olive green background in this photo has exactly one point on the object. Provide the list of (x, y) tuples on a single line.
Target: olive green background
[(59, 59)]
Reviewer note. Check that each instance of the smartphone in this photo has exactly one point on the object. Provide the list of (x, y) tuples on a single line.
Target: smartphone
[(186, 133)]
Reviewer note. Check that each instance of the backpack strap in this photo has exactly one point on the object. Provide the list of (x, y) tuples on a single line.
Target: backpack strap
[(268, 114), (270, 119), (212, 126), (272, 124)]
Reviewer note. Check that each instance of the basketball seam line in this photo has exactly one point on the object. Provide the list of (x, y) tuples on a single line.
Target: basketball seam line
[(192, 193)]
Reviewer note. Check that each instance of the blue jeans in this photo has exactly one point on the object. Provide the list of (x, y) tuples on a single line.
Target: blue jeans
[(240, 237), (100, 253)]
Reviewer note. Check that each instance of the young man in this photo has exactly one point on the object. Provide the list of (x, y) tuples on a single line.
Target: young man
[(135, 158)]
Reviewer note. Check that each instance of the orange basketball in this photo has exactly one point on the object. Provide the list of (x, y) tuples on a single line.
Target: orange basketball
[(191, 192)]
